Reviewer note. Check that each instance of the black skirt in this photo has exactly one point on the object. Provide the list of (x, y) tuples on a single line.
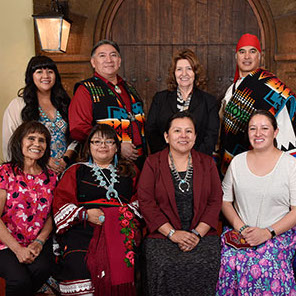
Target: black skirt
[(169, 271)]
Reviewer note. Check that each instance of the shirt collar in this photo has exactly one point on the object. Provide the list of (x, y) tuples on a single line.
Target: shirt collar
[(119, 79)]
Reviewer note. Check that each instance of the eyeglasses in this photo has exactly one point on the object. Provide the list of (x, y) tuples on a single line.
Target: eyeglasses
[(99, 142)]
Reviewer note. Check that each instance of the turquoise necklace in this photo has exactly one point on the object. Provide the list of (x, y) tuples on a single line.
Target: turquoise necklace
[(183, 184), (102, 178)]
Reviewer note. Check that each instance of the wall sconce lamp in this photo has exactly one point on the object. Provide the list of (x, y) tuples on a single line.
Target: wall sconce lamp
[(53, 27)]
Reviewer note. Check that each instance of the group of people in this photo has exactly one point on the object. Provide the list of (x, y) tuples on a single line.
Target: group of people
[(77, 178)]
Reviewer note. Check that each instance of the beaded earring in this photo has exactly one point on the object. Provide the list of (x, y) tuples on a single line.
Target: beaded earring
[(115, 160)]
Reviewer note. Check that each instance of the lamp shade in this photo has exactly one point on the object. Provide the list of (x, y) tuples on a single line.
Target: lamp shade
[(53, 32)]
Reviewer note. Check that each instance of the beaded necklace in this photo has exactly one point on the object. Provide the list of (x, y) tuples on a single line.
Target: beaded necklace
[(184, 184), (100, 176)]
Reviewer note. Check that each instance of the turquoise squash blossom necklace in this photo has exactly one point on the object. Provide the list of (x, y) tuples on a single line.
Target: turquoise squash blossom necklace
[(183, 184), (100, 176)]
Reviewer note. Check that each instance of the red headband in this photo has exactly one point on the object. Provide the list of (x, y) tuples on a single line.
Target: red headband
[(246, 40)]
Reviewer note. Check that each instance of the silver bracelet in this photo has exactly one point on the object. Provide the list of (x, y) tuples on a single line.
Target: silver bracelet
[(39, 241), (196, 233), (172, 231)]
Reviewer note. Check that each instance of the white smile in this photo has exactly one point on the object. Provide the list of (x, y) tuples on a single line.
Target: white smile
[(259, 140), (34, 150)]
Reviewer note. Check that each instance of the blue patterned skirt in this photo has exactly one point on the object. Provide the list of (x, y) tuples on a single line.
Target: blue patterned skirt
[(265, 270)]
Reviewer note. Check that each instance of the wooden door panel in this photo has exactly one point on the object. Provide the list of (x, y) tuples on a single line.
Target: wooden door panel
[(150, 31)]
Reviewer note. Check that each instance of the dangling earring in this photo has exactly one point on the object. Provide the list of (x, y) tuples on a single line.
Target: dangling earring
[(115, 160), (90, 160)]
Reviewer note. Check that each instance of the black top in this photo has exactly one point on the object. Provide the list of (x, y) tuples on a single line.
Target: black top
[(184, 202), (204, 109)]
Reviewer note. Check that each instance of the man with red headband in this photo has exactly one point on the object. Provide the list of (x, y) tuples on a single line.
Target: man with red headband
[(253, 89)]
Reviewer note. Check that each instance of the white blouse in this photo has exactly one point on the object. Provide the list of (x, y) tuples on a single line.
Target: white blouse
[(261, 200), (11, 121)]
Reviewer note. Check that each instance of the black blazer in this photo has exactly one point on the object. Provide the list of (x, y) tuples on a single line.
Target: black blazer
[(204, 109)]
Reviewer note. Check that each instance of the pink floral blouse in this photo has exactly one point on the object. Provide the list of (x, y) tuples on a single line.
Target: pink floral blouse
[(28, 203)]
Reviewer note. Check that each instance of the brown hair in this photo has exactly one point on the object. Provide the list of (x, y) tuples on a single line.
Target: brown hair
[(190, 56)]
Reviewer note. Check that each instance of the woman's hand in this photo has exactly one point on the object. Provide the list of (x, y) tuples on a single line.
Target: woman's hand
[(57, 165), (35, 248), (185, 240), (129, 151), (24, 255), (93, 216), (256, 236)]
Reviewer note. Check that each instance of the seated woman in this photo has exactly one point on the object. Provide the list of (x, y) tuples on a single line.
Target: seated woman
[(183, 94), (43, 99), (259, 202), (26, 187), (180, 197), (95, 227)]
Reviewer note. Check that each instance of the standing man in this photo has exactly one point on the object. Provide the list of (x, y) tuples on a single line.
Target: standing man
[(253, 89), (106, 98)]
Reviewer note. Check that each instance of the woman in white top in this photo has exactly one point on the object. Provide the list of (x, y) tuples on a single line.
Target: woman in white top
[(43, 99), (259, 202)]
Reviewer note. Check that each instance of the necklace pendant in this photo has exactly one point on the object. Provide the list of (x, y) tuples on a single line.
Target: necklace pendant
[(184, 186), (111, 193), (117, 89)]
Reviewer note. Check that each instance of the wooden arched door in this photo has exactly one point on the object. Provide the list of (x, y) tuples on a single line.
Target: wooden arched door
[(150, 31)]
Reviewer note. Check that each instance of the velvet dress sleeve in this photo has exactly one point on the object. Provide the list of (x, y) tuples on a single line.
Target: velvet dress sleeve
[(65, 204), (80, 114), (149, 208), (214, 199)]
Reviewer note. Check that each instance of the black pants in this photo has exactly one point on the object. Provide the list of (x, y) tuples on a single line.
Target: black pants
[(26, 279)]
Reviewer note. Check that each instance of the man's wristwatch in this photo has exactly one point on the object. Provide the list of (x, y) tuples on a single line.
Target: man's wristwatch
[(271, 230)]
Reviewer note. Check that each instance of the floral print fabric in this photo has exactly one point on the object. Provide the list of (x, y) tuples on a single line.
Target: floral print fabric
[(127, 223), (28, 202), (265, 270), (57, 129)]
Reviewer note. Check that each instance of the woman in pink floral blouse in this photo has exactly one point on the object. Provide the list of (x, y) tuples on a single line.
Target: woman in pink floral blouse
[(26, 186), (95, 220)]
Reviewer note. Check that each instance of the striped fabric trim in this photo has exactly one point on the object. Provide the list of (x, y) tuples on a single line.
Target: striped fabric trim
[(66, 216), (76, 287)]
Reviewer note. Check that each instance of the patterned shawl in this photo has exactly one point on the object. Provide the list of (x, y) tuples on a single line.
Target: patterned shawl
[(259, 90)]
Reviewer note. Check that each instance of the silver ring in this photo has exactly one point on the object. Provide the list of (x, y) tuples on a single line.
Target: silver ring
[(102, 219)]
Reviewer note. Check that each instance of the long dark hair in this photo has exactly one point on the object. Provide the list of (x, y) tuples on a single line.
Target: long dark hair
[(125, 167), (59, 98), (15, 145)]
